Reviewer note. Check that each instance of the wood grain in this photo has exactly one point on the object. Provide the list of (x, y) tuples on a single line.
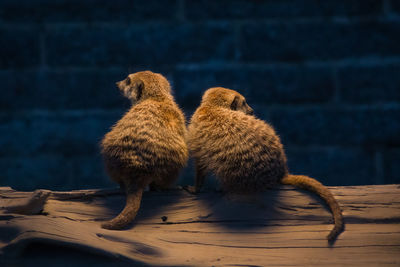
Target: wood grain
[(282, 227)]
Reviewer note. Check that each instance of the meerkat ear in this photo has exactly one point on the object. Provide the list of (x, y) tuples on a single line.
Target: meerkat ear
[(138, 86), (235, 103)]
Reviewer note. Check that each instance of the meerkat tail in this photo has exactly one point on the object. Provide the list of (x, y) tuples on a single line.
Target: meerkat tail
[(310, 184), (133, 199)]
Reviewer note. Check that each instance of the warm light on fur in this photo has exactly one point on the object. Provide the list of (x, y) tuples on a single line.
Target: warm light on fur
[(147, 145), (244, 152)]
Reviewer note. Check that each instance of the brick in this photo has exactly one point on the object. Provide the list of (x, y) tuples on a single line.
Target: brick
[(333, 165), (19, 48), (259, 85), (365, 126), (392, 166), (68, 134), (58, 90), (53, 172), (86, 11), (62, 90), (370, 84), (244, 9), (299, 42), (144, 44)]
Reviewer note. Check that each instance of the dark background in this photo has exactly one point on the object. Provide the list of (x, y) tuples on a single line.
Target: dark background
[(325, 74)]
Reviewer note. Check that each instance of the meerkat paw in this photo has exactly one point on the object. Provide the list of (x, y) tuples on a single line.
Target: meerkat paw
[(191, 189)]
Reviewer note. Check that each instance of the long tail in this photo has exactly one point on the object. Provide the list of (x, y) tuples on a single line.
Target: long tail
[(133, 199), (313, 185)]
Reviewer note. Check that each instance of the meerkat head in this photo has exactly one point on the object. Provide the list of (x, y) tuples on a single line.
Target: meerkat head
[(145, 84), (226, 98)]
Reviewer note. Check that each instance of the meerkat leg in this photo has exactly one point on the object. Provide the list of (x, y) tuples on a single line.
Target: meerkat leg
[(200, 178)]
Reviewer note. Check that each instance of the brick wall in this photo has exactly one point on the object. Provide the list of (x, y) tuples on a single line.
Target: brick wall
[(325, 74)]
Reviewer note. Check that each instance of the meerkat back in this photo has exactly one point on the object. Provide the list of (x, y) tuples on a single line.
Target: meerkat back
[(244, 153), (147, 145), (221, 139)]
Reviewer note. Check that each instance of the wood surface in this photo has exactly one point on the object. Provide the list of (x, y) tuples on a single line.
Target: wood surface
[(282, 227)]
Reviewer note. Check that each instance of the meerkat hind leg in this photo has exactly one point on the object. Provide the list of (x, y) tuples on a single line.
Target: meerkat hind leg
[(199, 180)]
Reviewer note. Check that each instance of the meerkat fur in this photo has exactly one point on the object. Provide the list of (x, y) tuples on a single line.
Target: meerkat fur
[(147, 146), (244, 153)]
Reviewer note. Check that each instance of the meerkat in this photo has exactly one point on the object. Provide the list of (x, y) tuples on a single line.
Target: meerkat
[(147, 146), (244, 153)]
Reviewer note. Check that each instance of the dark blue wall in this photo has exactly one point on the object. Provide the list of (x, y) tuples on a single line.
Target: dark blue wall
[(325, 74)]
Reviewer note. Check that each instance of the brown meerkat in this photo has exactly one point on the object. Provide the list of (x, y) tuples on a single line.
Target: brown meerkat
[(244, 153), (147, 145)]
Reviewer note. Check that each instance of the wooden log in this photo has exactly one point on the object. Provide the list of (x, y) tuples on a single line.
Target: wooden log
[(282, 227)]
